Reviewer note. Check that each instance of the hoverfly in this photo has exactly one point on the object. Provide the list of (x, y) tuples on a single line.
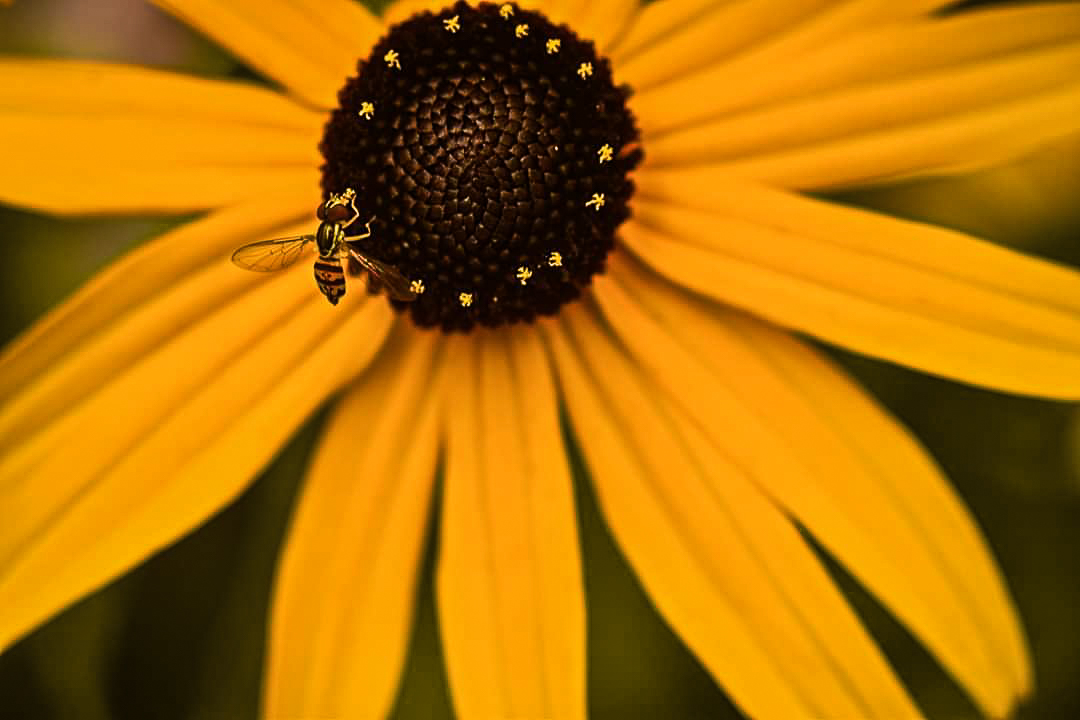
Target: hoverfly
[(335, 215)]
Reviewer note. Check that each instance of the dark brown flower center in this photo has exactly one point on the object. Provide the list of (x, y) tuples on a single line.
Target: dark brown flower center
[(492, 150)]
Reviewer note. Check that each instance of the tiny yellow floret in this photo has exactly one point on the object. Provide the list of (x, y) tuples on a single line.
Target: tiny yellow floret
[(465, 299), (367, 110), (585, 70), (597, 200), (453, 24), (417, 286), (555, 260), (606, 152), (553, 45), (523, 274), (391, 58), (521, 30), (506, 11)]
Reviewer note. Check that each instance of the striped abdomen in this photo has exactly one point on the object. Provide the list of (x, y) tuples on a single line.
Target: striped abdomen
[(331, 278)]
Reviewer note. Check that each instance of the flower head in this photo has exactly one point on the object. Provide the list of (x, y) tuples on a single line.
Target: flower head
[(654, 291)]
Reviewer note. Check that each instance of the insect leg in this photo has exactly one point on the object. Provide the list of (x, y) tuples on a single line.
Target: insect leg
[(355, 212), (367, 232)]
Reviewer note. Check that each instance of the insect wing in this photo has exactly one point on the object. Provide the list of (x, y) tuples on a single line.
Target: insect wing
[(396, 285), (273, 255)]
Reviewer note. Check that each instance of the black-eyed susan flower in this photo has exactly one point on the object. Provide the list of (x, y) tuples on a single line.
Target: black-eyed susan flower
[(606, 213)]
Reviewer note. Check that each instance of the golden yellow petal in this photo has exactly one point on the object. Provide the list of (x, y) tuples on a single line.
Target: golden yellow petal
[(1021, 204), (825, 453), (134, 306), (309, 52), (725, 568), (920, 296), (85, 88), (654, 22), (351, 23), (147, 158), (672, 44), (602, 22), (932, 96), (39, 420), (909, 100), (724, 31), (401, 10), (170, 440), (345, 591), (509, 586), (657, 21), (146, 189), (955, 144)]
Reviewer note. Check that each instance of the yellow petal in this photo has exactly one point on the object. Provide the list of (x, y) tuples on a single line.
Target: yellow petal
[(949, 94), (817, 445), (920, 296), (724, 31), (87, 88), (310, 52), (134, 306), (145, 157), (668, 43), (725, 568), (887, 54), (509, 587), (401, 10), (346, 588), (658, 22), (963, 143), (1021, 204), (146, 189), (601, 22), (199, 416), (351, 23), (908, 100)]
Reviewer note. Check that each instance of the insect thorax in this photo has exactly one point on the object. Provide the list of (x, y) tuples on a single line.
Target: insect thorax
[(330, 238)]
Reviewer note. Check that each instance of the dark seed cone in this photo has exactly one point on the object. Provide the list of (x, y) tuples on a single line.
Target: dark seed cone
[(480, 162)]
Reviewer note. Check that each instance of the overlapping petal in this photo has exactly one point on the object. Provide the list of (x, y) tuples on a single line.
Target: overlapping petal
[(401, 10), (725, 568), (656, 21), (163, 444), (928, 97), (601, 22), (826, 454), (702, 38), (932, 299), (509, 587), (671, 40), (309, 47), (92, 137), (88, 88), (345, 589), (134, 306)]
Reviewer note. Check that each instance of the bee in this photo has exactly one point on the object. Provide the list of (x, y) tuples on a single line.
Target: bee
[(335, 216)]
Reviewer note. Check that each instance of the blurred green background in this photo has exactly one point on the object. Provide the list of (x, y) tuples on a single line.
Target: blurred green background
[(182, 636)]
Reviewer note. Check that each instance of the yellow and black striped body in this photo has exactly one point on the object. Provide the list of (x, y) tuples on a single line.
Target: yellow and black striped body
[(330, 276), (329, 273)]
